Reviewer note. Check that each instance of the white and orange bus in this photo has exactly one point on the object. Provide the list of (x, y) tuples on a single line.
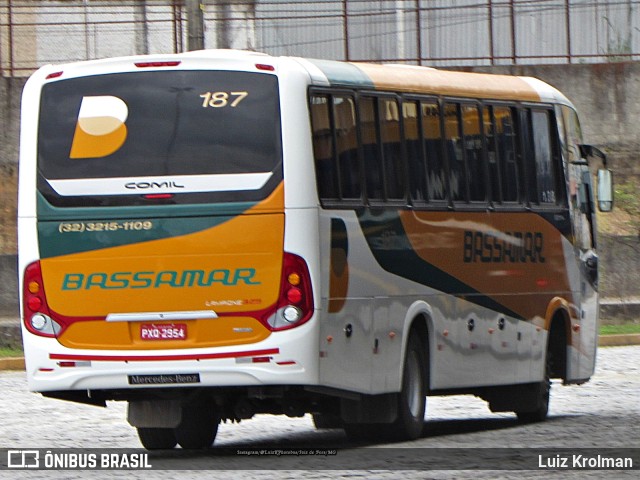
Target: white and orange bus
[(218, 234)]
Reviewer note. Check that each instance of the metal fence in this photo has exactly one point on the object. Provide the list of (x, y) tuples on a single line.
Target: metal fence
[(429, 32)]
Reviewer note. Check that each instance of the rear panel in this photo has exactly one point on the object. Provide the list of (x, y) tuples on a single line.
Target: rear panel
[(160, 206)]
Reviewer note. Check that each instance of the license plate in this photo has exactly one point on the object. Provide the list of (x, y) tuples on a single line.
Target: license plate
[(174, 331)]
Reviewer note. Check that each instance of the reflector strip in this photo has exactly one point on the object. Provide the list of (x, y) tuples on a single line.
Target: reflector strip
[(261, 359), (160, 358)]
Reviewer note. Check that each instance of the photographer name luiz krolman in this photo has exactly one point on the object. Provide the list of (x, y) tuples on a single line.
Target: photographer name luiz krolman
[(577, 461)]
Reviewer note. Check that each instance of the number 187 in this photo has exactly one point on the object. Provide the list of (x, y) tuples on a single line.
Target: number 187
[(222, 99)]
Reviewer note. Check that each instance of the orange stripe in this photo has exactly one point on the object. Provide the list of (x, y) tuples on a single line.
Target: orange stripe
[(423, 80)]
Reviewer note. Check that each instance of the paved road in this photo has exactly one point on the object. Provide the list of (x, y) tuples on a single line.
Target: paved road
[(602, 413)]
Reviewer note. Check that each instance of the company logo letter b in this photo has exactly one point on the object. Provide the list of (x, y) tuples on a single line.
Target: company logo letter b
[(100, 129)]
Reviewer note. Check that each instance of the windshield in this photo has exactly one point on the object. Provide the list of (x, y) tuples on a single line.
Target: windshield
[(195, 136)]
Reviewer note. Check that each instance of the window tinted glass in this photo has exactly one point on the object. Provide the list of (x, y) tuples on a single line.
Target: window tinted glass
[(545, 171), (432, 136), (326, 168), (415, 155), (161, 124), (347, 146), (573, 133), (473, 152), (506, 145), (454, 148), (495, 179), (528, 156), (370, 148), (391, 148)]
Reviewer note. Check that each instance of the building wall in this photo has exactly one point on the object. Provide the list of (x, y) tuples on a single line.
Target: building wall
[(10, 98), (433, 32)]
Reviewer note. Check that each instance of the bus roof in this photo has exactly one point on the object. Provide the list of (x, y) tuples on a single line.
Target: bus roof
[(426, 80), (394, 78)]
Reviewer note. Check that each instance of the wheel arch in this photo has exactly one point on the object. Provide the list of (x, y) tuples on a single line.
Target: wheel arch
[(559, 338)]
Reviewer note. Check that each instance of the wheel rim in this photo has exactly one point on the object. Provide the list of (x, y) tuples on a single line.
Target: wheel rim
[(414, 384)]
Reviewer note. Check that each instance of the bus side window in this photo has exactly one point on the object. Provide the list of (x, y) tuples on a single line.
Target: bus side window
[(528, 157), (369, 135), (454, 148), (581, 222), (473, 153), (493, 158), (344, 113), (506, 147), (546, 171), (392, 155), (414, 148), (500, 140), (323, 148), (432, 138)]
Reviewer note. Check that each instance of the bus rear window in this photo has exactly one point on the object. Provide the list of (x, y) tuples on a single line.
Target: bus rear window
[(200, 136)]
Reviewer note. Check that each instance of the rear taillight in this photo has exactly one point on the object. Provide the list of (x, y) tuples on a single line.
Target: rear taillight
[(295, 301), (157, 64), (37, 316)]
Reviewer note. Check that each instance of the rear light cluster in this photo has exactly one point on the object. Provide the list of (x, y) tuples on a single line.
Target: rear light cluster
[(173, 63), (295, 302), (37, 316)]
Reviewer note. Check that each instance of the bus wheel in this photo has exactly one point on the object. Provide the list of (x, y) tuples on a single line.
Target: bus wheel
[(327, 420), (157, 438), (198, 427), (539, 394), (412, 399)]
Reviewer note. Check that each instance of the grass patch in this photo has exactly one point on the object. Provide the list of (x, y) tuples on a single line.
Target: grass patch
[(6, 352), (626, 195), (625, 328)]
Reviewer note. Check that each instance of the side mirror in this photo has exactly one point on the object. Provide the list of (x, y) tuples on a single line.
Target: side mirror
[(594, 156), (605, 190)]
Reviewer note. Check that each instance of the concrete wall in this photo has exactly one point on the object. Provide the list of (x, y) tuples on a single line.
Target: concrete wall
[(8, 286), (10, 97)]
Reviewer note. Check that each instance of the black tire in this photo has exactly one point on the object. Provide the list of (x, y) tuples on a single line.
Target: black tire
[(157, 438), (412, 399), (327, 420), (540, 394), (198, 427)]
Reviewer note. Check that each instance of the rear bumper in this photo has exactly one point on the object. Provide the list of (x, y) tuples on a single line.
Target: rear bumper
[(284, 358)]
